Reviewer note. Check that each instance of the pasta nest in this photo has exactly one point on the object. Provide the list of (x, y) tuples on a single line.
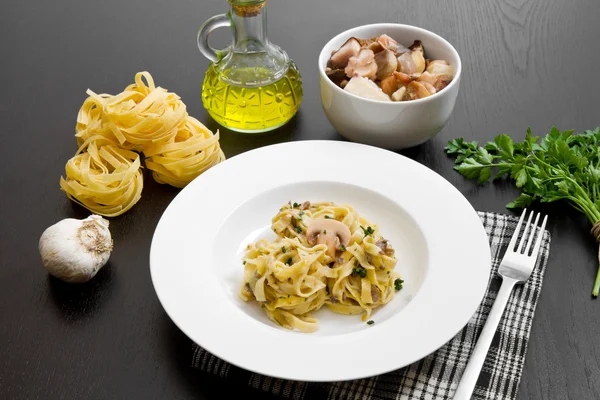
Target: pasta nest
[(142, 118), (103, 177)]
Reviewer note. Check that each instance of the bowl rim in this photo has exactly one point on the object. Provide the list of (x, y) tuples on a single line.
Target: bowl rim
[(350, 32)]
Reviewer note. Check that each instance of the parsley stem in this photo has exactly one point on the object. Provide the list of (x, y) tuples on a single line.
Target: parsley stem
[(596, 288)]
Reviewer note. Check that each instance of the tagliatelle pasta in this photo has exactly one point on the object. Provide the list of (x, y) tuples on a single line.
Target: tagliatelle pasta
[(142, 114), (142, 118), (193, 150), (103, 178), (298, 273)]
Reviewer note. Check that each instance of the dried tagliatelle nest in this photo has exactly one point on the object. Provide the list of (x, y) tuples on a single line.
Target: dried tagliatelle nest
[(193, 150), (103, 177), (105, 174)]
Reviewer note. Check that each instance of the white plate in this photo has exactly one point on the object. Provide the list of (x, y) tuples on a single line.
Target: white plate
[(441, 246)]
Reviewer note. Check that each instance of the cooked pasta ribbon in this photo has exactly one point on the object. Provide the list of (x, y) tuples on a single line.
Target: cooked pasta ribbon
[(291, 278)]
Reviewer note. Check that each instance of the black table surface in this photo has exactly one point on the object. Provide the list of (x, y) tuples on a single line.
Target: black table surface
[(526, 63)]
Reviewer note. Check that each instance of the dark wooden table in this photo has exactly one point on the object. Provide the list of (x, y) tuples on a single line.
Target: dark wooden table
[(526, 63)]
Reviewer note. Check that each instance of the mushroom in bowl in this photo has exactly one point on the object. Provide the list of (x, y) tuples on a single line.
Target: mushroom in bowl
[(369, 101), (381, 69)]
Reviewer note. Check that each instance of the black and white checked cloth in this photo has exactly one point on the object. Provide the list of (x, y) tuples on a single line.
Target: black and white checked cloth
[(437, 375)]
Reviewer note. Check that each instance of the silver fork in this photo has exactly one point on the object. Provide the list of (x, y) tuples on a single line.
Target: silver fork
[(516, 267)]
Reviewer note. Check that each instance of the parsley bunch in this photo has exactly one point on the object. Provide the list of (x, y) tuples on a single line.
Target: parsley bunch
[(562, 166)]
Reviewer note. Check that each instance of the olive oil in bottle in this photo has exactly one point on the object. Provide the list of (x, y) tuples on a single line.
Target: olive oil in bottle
[(252, 108), (251, 86)]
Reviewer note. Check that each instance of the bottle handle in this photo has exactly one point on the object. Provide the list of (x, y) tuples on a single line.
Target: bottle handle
[(218, 21)]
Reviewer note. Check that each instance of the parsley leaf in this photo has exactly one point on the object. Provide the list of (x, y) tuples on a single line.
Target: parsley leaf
[(561, 166), (370, 322), (360, 271), (296, 205), (289, 261), (368, 231), (398, 284), (283, 250), (299, 229)]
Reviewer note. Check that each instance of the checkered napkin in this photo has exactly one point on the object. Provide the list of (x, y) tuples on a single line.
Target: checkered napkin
[(437, 375)]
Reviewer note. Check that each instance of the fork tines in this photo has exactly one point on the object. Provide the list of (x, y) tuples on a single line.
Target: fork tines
[(528, 235)]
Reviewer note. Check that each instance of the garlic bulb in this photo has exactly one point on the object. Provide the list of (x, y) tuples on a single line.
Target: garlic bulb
[(74, 250)]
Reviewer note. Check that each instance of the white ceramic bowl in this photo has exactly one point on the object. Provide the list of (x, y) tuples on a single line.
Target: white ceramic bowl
[(391, 125)]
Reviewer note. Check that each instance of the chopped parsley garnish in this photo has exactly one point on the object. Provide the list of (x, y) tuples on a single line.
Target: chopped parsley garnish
[(368, 231), (299, 229), (370, 322), (325, 231), (248, 285), (398, 284), (283, 250), (296, 205), (289, 261), (244, 262), (360, 271), (301, 213), (327, 217), (343, 248)]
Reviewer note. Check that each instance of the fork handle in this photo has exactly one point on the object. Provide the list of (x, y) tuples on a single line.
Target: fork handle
[(475, 364)]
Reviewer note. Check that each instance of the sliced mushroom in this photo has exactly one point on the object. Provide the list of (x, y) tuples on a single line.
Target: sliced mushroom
[(387, 43), (372, 44), (406, 64), (330, 232), (362, 64), (427, 77), (389, 85), (398, 94), (306, 205), (411, 62), (401, 49), (398, 80), (440, 72), (437, 81), (405, 79), (385, 247), (416, 90), (386, 64), (439, 67), (430, 87), (419, 61), (366, 88), (441, 82), (349, 49), (416, 46), (336, 75)]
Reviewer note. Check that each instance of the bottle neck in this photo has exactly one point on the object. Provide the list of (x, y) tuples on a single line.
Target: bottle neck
[(250, 30)]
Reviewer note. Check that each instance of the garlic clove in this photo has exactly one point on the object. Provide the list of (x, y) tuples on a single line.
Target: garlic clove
[(75, 250)]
